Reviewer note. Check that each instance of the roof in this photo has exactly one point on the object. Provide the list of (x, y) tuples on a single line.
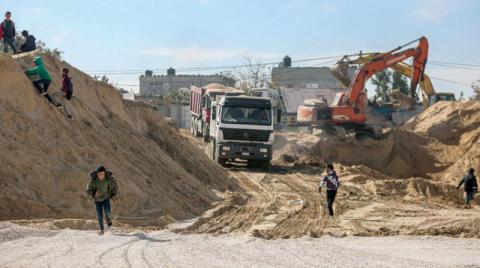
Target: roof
[(303, 75), (294, 97)]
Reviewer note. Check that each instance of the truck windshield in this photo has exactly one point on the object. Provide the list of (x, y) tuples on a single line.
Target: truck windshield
[(246, 115)]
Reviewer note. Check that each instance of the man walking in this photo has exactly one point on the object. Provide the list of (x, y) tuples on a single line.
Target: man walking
[(8, 29), (101, 188), (470, 187), (332, 183)]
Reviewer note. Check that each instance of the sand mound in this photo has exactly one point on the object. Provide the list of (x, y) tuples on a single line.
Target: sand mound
[(441, 142), (46, 157)]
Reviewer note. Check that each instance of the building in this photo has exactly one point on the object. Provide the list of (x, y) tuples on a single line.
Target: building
[(296, 84), (306, 77), (160, 85)]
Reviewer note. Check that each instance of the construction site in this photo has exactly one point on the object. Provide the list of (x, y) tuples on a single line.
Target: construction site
[(239, 186)]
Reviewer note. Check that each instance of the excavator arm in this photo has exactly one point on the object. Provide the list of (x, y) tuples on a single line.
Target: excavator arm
[(386, 60), (341, 68)]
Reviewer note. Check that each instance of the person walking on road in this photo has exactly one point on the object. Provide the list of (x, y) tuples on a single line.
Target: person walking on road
[(8, 30), (332, 183), (470, 186), (101, 188)]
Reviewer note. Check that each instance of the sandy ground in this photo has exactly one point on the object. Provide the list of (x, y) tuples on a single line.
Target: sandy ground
[(33, 247)]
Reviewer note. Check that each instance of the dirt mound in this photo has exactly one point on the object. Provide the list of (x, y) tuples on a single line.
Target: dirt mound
[(46, 157), (441, 142)]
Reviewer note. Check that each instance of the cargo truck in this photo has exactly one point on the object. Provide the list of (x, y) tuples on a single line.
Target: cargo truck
[(242, 129)]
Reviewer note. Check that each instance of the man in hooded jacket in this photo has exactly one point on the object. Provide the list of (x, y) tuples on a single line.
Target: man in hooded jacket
[(44, 80), (332, 182)]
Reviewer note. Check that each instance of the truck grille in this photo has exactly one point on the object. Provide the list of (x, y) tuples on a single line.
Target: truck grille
[(246, 134)]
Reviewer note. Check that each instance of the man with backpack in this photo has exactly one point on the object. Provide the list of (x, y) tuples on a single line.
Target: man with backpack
[(470, 186), (29, 44), (332, 183), (66, 93), (101, 188), (44, 80), (8, 30)]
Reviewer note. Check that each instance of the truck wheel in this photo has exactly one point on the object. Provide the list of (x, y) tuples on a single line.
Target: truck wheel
[(252, 163), (265, 165)]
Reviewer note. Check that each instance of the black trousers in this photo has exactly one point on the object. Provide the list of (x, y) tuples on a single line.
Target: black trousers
[(330, 199), (42, 86)]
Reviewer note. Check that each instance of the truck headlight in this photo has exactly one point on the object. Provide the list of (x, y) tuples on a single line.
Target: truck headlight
[(271, 138), (226, 148), (263, 150)]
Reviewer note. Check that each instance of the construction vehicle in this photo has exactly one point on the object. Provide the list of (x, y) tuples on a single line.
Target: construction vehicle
[(201, 100), (233, 125), (242, 129), (429, 96), (347, 113)]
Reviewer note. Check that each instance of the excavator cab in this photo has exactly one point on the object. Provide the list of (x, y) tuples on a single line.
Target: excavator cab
[(445, 96)]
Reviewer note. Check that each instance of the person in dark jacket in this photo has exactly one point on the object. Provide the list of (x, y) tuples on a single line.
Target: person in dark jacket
[(8, 29), (101, 188), (29, 44), (470, 186), (332, 183), (66, 92)]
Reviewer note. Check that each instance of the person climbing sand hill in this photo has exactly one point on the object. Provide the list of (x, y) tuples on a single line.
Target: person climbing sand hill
[(8, 31), (65, 94), (101, 188), (44, 80)]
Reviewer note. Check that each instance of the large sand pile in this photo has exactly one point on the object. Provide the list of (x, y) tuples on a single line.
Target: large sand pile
[(46, 157), (442, 142)]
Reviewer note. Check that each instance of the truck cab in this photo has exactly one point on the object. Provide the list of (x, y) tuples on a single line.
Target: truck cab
[(443, 96), (242, 129)]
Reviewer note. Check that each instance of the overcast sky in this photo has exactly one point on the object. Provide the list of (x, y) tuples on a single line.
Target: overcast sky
[(113, 35)]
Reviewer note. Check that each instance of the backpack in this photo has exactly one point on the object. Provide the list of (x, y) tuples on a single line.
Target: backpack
[(69, 89), (1, 30)]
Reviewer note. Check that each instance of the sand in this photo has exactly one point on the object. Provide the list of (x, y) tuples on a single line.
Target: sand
[(33, 247), (46, 157)]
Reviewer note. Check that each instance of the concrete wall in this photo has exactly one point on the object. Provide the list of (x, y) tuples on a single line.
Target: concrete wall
[(160, 85)]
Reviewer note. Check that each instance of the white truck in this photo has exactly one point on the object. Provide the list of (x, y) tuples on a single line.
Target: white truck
[(242, 129)]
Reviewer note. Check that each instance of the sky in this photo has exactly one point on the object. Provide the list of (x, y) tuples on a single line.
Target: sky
[(112, 35)]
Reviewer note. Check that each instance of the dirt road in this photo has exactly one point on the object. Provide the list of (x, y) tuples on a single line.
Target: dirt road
[(285, 203), (32, 247)]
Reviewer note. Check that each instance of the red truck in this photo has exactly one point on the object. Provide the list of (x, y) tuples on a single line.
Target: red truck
[(201, 100)]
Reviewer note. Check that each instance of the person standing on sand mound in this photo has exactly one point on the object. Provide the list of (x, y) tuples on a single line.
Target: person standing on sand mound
[(332, 183), (101, 188), (470, 187)]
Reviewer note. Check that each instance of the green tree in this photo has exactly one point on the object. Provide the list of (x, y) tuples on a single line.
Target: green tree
[(400, 82), (381, 81), (476, 90)]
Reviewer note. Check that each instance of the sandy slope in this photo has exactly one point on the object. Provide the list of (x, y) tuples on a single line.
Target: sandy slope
[(46, 157), (29, 247)]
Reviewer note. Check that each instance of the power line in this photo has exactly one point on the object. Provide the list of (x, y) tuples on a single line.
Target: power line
[(206, 68), (453, 63), (450, 81)]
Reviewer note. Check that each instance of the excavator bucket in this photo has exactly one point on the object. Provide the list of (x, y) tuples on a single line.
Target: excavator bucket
[(340, 71)]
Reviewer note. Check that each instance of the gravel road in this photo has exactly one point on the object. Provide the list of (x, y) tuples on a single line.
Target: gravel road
[(31, 247)]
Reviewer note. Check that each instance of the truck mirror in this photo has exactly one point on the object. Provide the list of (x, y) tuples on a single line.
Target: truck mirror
[(279, 116)]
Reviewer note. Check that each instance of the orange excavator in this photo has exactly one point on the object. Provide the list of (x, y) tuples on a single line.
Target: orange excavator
[(347, 113)]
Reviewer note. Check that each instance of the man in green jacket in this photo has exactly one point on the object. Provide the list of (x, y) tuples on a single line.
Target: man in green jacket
[(101, 188), (44, 80)]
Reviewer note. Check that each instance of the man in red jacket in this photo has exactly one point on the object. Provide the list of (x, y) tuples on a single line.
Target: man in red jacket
[(65, 94)]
